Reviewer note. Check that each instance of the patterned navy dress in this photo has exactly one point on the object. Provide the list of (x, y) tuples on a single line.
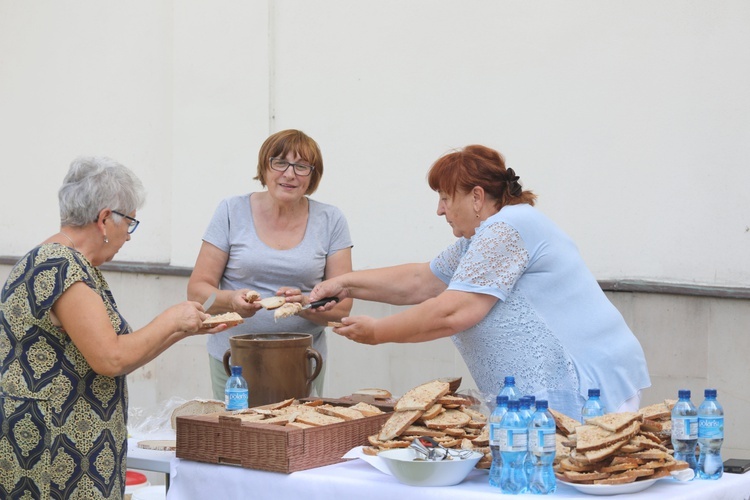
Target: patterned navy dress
[(63, 427)]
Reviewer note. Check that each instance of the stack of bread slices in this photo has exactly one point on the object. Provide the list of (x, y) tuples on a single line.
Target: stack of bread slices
[(612, 449), (431, 409)]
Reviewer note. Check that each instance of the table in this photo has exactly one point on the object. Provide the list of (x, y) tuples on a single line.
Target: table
[(149, 460), (358, 479)]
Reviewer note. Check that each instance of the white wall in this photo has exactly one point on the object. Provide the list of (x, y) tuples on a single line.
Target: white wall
[(628, 118)]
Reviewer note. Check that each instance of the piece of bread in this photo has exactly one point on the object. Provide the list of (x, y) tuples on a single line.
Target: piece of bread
[(286, 310), (335, 324), (272, 302), (367, 409), (565, 424), (316, 418), (158, 444), (422, 397), (448, 419), (433, 411), (658, 411), (252, 296), (578, 477), (375, 393), (230, 319), (196, 407), (421, 430), (614, 422), (340, 412), (592, 437), (397, 423)]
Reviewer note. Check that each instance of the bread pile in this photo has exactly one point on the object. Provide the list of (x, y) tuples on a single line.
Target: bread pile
[(657, 418), (292, 413), (432, 410), (612, 449)]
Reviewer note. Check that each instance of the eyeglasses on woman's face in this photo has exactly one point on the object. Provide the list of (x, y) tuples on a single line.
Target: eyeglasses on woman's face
[(281, 165), (132, 224)]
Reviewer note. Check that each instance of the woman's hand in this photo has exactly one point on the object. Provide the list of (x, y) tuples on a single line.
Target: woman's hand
[(241, 305), (292, 294), (329, 288), (189, 316), (359, 329)]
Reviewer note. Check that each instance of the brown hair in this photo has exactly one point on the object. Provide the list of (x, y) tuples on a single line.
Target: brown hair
[(281, 144), (481, 166)]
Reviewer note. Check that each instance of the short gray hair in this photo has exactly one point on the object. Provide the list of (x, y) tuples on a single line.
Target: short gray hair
[(94, 183)]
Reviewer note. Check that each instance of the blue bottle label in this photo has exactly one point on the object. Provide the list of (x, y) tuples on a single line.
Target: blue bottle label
[(235, 399), (494, 434), (513, 440), (711, 427), (685, 427), (541, 441)]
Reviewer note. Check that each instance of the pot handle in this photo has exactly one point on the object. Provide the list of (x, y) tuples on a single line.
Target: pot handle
[(226, 362), (312, 353)]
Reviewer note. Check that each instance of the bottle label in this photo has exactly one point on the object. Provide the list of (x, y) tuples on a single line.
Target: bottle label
[(494, 434), (710, 427), (235, 399), (513, 439), (541, 441), (685, 427)]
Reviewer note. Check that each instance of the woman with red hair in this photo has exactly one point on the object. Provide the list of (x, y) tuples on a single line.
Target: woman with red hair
[(512, 292)]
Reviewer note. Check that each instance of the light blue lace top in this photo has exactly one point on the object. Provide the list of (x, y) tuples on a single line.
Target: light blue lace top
[(553, 327)]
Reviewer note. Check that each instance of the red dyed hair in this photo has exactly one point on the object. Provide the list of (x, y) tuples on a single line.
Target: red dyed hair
[(481, 166)]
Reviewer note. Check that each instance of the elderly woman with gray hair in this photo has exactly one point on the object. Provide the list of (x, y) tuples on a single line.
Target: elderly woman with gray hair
[(65, 349)]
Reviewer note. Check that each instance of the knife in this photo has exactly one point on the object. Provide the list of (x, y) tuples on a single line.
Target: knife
[(321, 302), (209, 301)]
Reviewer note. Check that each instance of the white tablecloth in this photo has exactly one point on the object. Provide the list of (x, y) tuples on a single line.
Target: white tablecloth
[(357, 479)]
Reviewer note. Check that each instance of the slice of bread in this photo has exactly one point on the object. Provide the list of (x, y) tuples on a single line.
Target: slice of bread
[(448, 419), (316, 418), (230, 319), (367, 409), (422, 397), (340, 412), (592, 437), (397, 424), (272, 302), (252, 296), (565, 424), (614, 422), (375, 393), (658, 411), (286, 310)]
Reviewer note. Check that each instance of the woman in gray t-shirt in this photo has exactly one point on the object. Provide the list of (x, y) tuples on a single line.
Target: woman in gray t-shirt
[(275, 242)]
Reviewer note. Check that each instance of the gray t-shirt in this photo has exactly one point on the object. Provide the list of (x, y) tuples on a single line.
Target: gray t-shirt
[(254, 265)]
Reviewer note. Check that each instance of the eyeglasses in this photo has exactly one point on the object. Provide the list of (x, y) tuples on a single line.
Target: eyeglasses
[(300, 169), (133, 222)]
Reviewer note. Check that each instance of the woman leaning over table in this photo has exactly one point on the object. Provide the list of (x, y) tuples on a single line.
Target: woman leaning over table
[(275, 242), (513, 293), (65, 350)]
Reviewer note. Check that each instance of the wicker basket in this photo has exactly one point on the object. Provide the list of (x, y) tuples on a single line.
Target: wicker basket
[(209, 438)]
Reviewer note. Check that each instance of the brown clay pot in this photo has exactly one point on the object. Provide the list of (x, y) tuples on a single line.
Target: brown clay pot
[(276, 366)]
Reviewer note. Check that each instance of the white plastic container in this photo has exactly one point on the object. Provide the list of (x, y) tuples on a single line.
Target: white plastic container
[(158, 492)]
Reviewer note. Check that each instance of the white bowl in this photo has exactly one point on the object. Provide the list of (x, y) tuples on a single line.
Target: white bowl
[(402, 464)]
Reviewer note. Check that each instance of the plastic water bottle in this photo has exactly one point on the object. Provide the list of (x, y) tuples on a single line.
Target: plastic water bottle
[(710, 437), (496, 417), (524, 409), (509, 389), (542, 450), (235, 392), (513, 445), (685, 429), (592, 407)]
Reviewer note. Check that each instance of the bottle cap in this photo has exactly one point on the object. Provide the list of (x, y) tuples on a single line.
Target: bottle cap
[(510, 380), (524, 402), (683, 394), (594, 392), (541, 404), (501, 400), (236, 371), (513, 405), (710, 393)]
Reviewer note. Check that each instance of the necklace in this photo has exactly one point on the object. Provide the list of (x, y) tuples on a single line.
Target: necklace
[(70, 240)]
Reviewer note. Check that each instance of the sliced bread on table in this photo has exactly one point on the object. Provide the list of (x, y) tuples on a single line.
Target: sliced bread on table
[(423, 396), (196, 407), (397, 423)]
